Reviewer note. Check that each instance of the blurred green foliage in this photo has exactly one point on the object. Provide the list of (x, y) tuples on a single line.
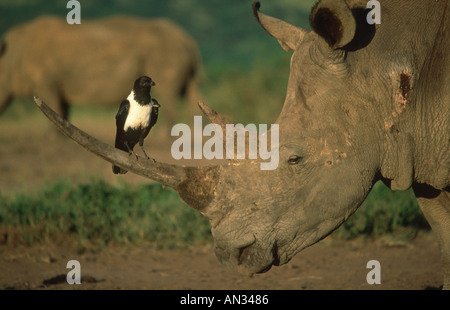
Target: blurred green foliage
[(100, 213), (385, 212)]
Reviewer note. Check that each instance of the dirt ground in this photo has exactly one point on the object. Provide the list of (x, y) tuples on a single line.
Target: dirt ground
[(327, 265), (31, 154)]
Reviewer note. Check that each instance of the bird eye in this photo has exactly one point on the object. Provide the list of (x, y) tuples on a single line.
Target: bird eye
[(294, 160)]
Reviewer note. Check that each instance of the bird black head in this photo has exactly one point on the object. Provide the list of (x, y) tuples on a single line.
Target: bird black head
[(144, 83), (142, 88)]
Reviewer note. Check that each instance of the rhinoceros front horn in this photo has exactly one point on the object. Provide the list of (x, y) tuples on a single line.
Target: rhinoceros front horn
[(195, 185)]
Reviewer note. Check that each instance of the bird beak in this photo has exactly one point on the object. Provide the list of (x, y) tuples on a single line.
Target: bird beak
[(152, 83)]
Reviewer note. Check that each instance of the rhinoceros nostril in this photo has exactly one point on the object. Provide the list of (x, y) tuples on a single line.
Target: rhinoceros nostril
[(251, 256), (245, 253), (227, 251)]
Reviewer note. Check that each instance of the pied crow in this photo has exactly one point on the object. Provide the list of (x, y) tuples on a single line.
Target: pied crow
[(136, 116)]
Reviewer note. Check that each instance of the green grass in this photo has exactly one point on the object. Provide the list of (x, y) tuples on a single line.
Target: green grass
[(385, 212), (100, 213)]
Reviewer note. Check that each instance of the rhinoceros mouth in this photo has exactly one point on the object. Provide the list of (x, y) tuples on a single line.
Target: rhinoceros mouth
[(247, 259), (255, 259), (259, 258), (246, 265)]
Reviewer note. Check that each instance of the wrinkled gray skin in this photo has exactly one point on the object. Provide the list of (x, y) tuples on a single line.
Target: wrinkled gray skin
[(364, 103), (94, 62)]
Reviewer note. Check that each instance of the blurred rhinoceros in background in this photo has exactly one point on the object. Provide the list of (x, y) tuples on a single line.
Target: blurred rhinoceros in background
[(97, 61)]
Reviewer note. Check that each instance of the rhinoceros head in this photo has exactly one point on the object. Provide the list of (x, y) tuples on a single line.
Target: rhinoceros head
[(327, 164)]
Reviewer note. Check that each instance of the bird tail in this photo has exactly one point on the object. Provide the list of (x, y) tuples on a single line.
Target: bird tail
[(118, 170), (121, 146)]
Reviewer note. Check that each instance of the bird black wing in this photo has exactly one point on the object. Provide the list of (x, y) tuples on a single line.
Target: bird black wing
[(154, 114), (123, 112), (121, 118), (153, 117)]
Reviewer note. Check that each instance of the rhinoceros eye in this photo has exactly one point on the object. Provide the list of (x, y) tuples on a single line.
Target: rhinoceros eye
[(294, 160)]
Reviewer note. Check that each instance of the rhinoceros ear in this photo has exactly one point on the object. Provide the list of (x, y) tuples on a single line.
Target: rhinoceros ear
[(334, 22), (289, 36)]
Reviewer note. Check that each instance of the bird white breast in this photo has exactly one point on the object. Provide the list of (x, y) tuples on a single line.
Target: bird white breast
[(138, 115)]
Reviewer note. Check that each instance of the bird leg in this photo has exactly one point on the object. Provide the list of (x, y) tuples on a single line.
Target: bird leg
[(143, 150), (130, 151)]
